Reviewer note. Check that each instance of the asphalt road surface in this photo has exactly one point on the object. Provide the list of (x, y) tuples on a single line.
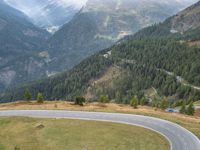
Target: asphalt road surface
[(178, 137)]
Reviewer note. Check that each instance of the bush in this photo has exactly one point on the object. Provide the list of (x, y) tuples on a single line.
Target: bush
[(104, 99), (134, 102), (183, 108), (142, 101), (190, 109), (80, 101), (163, 104), (27, 95), (40, 98)]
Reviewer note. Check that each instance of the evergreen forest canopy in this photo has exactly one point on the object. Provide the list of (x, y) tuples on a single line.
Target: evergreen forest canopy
[(154, 58), (145, 63)]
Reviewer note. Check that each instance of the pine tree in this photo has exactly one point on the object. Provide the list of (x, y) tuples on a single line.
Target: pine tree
[(40, 98), (183, 108), (190, 109), (80, 101), (142, 101), (163, 104), (103, 99), (134, 102), (27, 95)]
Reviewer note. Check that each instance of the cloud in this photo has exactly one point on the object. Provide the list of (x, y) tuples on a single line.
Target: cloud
[(76, 3), (33, 6)]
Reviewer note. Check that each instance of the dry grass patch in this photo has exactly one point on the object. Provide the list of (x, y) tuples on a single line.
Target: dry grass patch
[(189, 122), (64, 134)]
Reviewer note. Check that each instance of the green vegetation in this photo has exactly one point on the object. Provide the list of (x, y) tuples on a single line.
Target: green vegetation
[(134, 102), (104, 99), (27, 95), (80, 101), (153, 57), (183, 108), (163, 104), (144, 63), (57, 134), (190, 109), (40, 98)]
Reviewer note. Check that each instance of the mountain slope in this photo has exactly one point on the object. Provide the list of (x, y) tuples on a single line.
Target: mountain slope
[(183, 25), (133, 66), (19, 41), (100, 24)]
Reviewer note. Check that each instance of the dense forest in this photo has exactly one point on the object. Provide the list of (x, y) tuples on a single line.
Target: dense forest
[(154, 58), (146, 63)]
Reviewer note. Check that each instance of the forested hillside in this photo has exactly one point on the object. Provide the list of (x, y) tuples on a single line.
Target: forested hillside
[(101, 23), (145, 63), (154, 58)]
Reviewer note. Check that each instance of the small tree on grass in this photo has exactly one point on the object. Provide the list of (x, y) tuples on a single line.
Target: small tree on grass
[(40, 98), (134, 102), (80, 101), (103, 99), (183, 108), (190, 109), (27, 95), (163, 104), (142, 101)]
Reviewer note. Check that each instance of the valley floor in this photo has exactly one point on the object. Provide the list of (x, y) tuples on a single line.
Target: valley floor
[(59, 134), (189, 122)]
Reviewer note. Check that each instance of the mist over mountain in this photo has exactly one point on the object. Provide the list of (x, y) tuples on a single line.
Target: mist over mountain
[(48, 13)]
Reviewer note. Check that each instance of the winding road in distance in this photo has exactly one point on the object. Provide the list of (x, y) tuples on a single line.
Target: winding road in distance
[(179, 138)]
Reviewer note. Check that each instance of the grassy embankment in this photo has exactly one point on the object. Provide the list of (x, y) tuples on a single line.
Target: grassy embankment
[(62, 134), (189, 122)]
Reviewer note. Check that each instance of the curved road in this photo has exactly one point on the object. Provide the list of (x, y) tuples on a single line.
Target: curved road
[(179, 138)]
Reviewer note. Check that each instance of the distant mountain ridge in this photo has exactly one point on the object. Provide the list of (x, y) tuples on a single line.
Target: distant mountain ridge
[(153, 59), (101, 23), (187, 19), (98, 25)]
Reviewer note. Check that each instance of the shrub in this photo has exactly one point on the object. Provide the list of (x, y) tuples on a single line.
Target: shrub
[(27, 95), (80, 101), (190, 109), (163, 104), (40, 98), (142, 101), (134, 102), (104, 99), (183, 108)]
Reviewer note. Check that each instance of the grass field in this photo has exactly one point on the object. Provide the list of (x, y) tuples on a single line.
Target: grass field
[(189, 122), (63, 134)]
